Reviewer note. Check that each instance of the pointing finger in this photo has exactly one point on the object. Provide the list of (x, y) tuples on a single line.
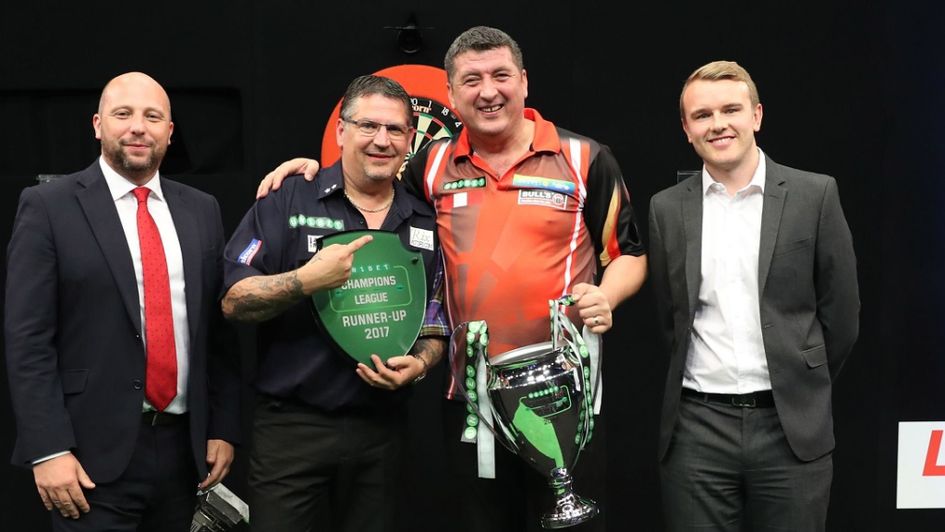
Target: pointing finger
[(359, 243)]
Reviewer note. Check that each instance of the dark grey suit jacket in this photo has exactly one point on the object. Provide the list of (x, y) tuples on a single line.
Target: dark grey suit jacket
[(74, 354), (807, 291)]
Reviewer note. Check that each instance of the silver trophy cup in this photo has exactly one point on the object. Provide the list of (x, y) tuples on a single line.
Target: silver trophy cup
[(541, 398)]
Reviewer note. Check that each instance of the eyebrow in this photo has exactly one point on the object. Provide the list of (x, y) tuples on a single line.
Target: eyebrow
[(122, 107)]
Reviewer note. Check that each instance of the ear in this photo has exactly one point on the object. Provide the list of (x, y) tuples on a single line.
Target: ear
[(170, 131), (525, 82), (97, 126), (449, 95), (686, 129), (339, 132), (756, 117)]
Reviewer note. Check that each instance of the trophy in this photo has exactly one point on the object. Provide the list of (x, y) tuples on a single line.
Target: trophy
[(218, 510), (537, 400), (379, 309)]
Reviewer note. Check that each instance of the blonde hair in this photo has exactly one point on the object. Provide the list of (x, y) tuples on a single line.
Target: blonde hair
[(720, 70)]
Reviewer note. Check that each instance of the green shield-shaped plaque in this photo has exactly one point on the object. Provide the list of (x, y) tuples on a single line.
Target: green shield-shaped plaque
[(379, 310)]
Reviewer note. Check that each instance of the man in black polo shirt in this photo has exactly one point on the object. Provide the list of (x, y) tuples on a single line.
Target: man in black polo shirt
[(327, 437)]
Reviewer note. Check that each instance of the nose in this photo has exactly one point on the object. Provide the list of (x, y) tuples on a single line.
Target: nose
[(487, 89), (137, 124), (382, 138), (718, 122)]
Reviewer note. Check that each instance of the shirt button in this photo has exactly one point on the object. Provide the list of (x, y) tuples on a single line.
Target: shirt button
[(136, 384)]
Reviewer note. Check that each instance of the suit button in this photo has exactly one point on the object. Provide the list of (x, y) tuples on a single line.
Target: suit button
[(136, 384)]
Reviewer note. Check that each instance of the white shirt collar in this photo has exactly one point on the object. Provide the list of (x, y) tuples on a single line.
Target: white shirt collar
[(757, 179), (120, 187)]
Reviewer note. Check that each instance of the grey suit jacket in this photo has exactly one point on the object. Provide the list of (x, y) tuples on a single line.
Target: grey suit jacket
[(807, 291)]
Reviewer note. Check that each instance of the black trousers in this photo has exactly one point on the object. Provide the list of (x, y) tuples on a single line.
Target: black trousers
[(731, 469), (156, 493), (516, 498), (312, 470)]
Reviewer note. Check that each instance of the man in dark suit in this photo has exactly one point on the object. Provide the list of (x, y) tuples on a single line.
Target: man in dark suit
[(123, 399), (755, 277)]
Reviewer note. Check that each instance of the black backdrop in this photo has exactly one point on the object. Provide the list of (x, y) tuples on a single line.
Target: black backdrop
[(850, 88)]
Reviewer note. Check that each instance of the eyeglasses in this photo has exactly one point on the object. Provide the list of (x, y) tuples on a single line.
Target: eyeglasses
[(369, 128)]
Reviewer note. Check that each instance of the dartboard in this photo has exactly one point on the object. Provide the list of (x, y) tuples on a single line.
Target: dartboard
[(433, 120)]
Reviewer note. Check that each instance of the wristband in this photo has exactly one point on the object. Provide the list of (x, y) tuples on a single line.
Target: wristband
[(425, 367)]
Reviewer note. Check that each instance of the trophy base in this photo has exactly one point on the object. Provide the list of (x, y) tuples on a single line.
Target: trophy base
[(570, 510)]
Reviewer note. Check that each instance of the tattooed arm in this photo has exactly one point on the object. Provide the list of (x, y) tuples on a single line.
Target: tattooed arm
[(429, 351), (262, 297)]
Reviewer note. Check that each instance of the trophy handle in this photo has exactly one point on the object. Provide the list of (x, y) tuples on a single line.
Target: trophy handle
[(565, 336), (468, 356)]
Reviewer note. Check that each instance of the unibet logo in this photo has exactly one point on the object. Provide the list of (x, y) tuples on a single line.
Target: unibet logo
[(459, 184), (319, 222)]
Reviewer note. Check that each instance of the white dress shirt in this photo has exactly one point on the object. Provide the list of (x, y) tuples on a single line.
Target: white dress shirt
[(127, 206), (726, 351)]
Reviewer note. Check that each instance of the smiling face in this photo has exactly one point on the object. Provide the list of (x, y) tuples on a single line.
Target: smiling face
[(488, 90), (720, 122), (134, 125), (376, 157)]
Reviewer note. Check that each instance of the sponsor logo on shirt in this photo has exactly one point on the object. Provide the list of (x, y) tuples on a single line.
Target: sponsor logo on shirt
[(421, 238), (544, 198), (318, 222), (247, 255), (557, 185), (460, 184)]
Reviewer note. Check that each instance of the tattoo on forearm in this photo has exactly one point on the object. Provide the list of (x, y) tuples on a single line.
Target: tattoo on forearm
[(431, 349), (257, 299)]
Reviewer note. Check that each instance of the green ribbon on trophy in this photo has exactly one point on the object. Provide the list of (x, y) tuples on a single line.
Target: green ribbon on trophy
[(379, 310)]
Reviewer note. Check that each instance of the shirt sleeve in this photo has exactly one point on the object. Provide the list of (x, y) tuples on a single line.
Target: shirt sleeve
[(608, 212), (435, 322), (255, 248), (414, 174)]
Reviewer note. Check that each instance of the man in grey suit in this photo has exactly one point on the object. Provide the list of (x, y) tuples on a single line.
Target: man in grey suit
[(755, 278)]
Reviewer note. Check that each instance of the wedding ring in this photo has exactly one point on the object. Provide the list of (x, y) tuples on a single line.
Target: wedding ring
[(596, 321)]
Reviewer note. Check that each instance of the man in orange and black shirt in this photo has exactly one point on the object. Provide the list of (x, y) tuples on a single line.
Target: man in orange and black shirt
[(526, 212), (540, 230)]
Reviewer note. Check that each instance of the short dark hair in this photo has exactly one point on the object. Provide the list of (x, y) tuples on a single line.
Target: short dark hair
[(369, 85), (480, 39)]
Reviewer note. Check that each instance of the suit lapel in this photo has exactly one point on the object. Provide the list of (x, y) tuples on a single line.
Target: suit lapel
[(188, 234), (99, 208), (775, 193), (691, 206)]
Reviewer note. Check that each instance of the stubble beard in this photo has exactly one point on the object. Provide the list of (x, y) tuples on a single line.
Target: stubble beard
[(134, 169)]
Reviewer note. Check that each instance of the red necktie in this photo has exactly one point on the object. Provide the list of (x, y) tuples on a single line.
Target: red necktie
[(161, 377)]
